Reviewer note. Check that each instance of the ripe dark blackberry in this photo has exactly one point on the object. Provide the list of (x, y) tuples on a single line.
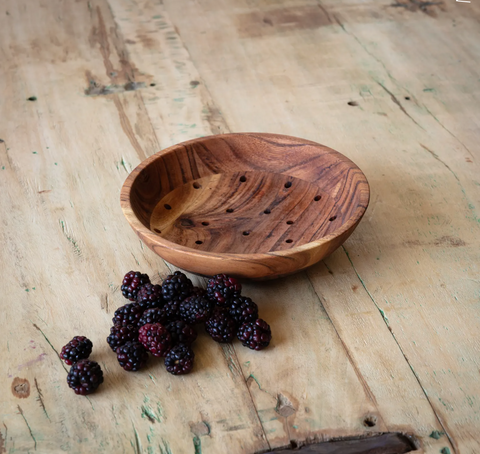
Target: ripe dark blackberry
[(179, 359), (181, 332), (78, 348), (120, 335), (255, 335), (222, 287), (176, 286), (221, 326), (150, 296), (132, 356), (129, 314), (195, 309), (132, 282), (155, 338), (155, 315), (85, 377), (242, 310)]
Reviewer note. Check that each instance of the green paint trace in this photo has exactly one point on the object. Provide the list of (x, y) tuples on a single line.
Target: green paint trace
[(3, 167), (428, 89), (445, 450), (197, 444), (34, 152), (158, 16), (436, 434)]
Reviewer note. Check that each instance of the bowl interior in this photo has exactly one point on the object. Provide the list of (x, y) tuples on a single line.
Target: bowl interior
[(246, 193)]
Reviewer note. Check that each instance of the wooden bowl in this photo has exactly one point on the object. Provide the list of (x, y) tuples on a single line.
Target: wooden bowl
[(249, 205)]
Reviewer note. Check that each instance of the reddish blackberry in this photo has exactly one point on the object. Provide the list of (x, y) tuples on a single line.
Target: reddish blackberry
[(78, 348), (195, 309), (155, 315), (150, 296), (175, 286), (128, 315), (181, 332), (132, 356), (155, 338), (222, 287), (85, 377), (221, 326), (255, 335), (242, 310), (179, 359), (132, 282), (120, 335)]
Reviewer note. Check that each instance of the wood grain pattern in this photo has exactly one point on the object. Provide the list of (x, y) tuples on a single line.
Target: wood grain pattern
[(257, 205)]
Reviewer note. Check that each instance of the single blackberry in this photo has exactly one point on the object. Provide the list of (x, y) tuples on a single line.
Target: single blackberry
[(120, 335), (78, 348), (221, 326), (222, 287), (155, 315), (181, 332), (129, 314), (132, 356), (242, 310), (150, 296), (132, 282), (85, 377), (155, 338), (255, 335), (175, 286), (195, 309), (179, 359)]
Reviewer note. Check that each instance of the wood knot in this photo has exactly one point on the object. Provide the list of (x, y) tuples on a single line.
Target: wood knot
[(20, 387)]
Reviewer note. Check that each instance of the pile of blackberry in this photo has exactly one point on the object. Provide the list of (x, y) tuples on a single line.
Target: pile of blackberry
[(161, 320)]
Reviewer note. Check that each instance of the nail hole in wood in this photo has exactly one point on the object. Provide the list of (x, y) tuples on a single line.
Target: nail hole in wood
[(352, 103), (205, 223), (407, 98), (332, 218), (229, 210), (317, 198), (32, 98), (289, 241), (167, 206), (152, 84), (243, 178), (198, 242), (288, 184), (246, 233), (196, 185), (289, 222), (370, 421), (267, 211)]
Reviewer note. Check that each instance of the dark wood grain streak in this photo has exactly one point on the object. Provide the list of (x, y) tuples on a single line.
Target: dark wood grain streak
[(290, 202)]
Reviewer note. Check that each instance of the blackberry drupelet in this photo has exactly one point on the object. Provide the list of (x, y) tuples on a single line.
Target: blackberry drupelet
[(155, 338), (255, 335), (132, 282), (176, 286), (179, 359), (155, 315), (132, 356), (242, 310), (221, 287), (195, 309), (181, 332), (120, 335), (221, 326), (129, 314), (85, 377), (150, 296), (78, 348)]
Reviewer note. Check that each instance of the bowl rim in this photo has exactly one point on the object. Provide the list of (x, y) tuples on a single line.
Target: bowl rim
[(145, 233)]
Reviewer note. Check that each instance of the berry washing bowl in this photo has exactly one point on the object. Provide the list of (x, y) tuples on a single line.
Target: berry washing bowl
[(250, 205)]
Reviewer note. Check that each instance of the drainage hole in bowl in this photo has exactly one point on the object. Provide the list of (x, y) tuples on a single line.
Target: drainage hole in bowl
[(288, 184), (243, 178), (229, 210), (267, 211), (332, 218), (157, 231), (196, 185), (198, 242), (289, 222), (205, 223), (246, 233), (167, 206), (317, 198), (289, 241)]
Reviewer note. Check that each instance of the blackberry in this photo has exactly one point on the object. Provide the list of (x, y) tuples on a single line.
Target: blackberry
[(195, 309), (120, 335), (255, 335), (175, 286), (155, 315), (129, 314), (85, 377), (179, 359), (132, 282), (242, 310), (221, 326), (78, 348), (181, 332), (132, 356), (222, 287), (150, 296), (155, 338), (171, 310)]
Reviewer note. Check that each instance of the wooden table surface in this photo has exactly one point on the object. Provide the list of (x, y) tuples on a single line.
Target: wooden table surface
[(383, 336)]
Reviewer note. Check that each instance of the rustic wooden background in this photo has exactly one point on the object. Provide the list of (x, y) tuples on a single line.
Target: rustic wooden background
[(381, 337)]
